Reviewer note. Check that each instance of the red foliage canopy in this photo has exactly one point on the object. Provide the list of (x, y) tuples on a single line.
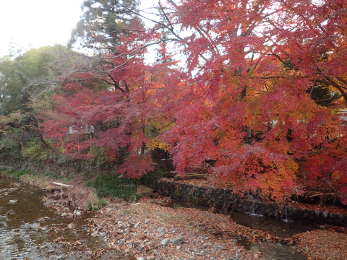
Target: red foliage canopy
[(245, 100)]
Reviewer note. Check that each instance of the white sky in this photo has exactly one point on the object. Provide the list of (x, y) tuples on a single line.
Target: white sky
[(26, 24)]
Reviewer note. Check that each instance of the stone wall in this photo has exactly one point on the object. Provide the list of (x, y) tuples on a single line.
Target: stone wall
[(225, 201)]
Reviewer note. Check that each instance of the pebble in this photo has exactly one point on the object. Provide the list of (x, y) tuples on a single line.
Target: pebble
[(43, 219), (26, 226), (165, 242), (71, 226), (12, 202), (77, 213), (177, 241), (161, 231), (35, 226), (10, 212), (44, 228), (137, 224)]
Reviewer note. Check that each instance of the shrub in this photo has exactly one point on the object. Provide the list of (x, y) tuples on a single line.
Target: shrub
[(115, 186)]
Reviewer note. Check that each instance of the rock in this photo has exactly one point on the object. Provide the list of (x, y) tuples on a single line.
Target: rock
[(43, 219), (94, 234), (10, 212), (177, 241), (50, 250), (77, 212), (137, 224), (12, 202), (35, 226), (219, 247), (165, 242), (44, 228), (71, 226), (161, 231), (26, 226)]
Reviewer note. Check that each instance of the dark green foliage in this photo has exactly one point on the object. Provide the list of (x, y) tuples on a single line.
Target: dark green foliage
[(151, 178), (32, 75), (115, 186), (27, 83), (10, 146), (103, 22)]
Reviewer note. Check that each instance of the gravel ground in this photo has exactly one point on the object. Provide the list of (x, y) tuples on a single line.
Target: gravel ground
[(149, 230), (323, 244)]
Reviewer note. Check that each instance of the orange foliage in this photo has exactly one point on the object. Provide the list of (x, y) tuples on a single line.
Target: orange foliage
[(244, 99)]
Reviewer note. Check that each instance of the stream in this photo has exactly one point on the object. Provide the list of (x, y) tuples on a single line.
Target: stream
[(284, 229), (281, 228), (29, 230)]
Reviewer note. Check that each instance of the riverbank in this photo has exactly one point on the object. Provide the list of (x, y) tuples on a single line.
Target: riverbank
[(152, 229), (29, 230), (146, 228), (155, 227)]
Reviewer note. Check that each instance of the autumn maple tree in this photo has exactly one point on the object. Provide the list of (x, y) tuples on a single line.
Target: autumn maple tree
[(259, 93)]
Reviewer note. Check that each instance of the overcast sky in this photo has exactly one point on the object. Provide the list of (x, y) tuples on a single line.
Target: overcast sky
[(26, 24)]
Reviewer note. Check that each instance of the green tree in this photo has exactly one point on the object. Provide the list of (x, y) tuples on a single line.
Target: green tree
[(32, 76), (103, 22), (27, 83)]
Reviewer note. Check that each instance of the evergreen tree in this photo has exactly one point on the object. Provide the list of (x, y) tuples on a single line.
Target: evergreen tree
[(102, 23)]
